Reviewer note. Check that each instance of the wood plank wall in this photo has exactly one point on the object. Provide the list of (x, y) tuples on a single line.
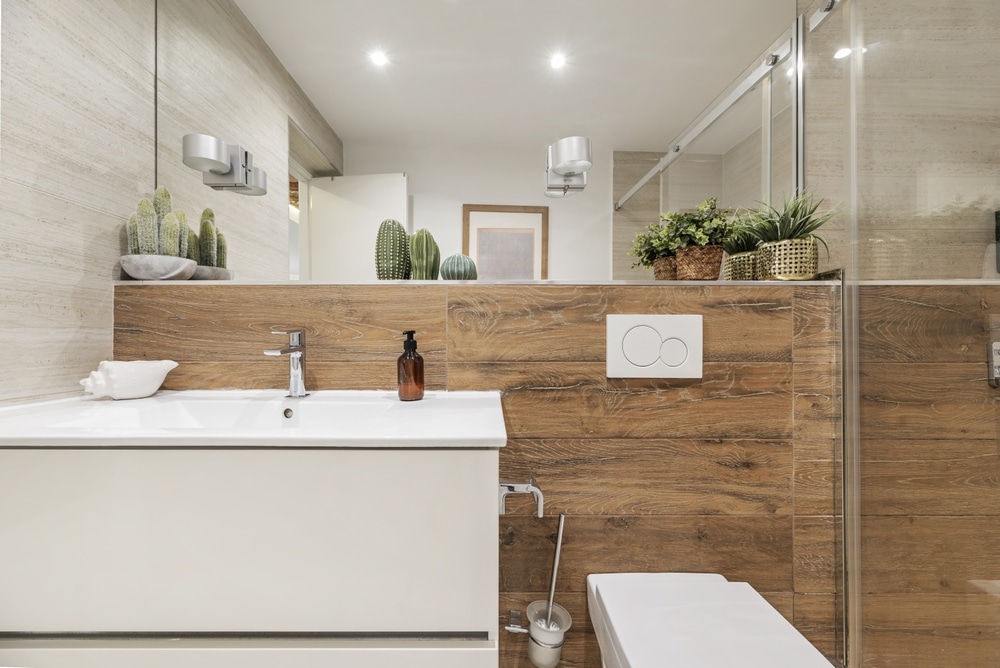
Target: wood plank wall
[(734, 473), (930, 467)]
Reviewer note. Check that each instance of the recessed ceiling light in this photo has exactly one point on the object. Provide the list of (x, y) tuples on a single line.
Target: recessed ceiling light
[(379, 58), (842, 53), (558, 61)]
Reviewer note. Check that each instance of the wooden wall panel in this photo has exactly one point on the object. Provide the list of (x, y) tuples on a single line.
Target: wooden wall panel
[(731, 473), (632, 476), (930, 502)]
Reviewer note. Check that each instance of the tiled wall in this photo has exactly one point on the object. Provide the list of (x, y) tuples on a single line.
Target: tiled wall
[(928, 138), (77, 140), (930, 498), (218, 77), (733, 473), (77, 146)]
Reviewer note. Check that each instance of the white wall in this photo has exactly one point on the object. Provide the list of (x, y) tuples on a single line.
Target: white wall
[(441, 180)]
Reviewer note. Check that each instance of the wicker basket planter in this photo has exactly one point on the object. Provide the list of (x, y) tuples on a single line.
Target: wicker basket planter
[(665, 268), (740, 267), (788, 260), (699, 263)]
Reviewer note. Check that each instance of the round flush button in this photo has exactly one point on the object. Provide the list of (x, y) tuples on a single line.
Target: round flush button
[(641, 345), (673, 352)]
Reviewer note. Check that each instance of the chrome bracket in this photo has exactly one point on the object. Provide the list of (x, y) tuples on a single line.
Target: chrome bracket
[(514, 624)]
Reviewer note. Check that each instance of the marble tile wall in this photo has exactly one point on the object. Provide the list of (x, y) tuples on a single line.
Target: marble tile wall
[(82, 143), (928, 138), (77, 146)]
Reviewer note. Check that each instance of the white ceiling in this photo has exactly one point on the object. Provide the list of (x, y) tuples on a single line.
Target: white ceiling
[(476, 72)]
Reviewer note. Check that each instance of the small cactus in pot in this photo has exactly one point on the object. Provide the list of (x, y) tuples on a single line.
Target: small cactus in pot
[(183, 234), (157, 241), (208, 239), (459, 267), (147, 231), (161, 203), (170, 236), (425, 256), (392, 252), (193, 247)]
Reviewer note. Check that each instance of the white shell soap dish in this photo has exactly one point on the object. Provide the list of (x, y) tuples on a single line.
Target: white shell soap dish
[(127, 380)]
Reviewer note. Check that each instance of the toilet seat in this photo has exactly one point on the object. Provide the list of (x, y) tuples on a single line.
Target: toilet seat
[(691, 620)]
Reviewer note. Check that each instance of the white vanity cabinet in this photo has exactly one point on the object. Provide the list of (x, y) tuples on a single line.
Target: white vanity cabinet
[(368, 556)]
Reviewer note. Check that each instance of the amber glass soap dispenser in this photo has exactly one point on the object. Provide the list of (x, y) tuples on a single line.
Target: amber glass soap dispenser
[(410, 370)]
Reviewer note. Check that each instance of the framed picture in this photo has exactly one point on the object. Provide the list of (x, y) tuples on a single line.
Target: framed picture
[(507, 242)]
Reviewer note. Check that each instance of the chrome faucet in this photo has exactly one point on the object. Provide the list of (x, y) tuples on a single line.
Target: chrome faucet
[(296, 352)]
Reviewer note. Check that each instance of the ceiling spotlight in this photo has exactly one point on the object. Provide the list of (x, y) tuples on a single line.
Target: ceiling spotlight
[(379, 58), (558, 61)]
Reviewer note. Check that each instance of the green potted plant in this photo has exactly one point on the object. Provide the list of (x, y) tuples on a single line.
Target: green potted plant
[(787, 239), (697, 237), (656, 248), (740, 263)]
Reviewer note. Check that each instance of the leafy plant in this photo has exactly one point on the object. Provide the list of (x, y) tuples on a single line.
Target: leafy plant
[(655, 242), (705, 226), (797, 219)]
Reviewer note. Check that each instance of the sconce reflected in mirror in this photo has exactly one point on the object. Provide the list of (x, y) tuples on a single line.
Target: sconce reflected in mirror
[(567, 162), (224, 166)]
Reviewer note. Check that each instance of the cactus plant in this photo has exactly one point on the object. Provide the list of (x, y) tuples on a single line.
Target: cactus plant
[(425, 256), (146, 228), (170, 235), (392, 252), (183, 234), (132, 230), (459, 267), (221, 249), (161, 203), (208, 239), (194, 247)]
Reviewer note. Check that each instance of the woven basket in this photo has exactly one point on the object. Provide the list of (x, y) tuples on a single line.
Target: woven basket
[(788, 260), (740, 267), (699, 263), (665, 268)]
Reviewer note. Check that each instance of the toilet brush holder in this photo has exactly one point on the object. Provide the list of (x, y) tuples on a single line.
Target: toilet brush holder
[(545, 640)]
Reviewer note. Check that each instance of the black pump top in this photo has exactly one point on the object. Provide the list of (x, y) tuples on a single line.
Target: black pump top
[(409, 343)]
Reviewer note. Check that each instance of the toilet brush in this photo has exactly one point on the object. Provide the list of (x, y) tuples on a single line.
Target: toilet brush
[(555, 570), (548, 621)]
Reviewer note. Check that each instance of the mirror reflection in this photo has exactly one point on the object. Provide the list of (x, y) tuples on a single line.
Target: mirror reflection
[(202, 88)]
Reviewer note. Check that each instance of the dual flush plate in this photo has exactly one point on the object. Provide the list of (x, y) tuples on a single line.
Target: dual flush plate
[(654, 346)]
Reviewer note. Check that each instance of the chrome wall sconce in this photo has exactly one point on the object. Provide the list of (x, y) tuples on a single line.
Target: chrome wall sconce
[(567, 162), (224, 166)]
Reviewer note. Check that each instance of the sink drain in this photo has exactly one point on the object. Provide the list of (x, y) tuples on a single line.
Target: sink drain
[(289, 412)]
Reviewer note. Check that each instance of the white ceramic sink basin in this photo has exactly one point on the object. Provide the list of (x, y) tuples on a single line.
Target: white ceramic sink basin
[(260, 418)]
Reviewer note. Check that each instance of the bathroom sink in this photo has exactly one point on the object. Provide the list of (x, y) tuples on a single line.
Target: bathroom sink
[(260, 418)]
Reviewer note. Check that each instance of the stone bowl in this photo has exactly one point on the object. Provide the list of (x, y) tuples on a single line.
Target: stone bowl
[(158, 267)]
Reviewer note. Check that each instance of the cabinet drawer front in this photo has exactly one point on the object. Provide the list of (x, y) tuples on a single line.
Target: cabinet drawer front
[(249, 540)]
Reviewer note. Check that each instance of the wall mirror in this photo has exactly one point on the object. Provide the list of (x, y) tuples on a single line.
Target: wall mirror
[(746, 151), (185, 103)]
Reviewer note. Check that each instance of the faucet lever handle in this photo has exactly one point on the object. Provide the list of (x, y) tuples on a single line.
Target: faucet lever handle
[(296, 336)]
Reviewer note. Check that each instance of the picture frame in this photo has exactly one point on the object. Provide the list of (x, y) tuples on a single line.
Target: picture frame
[(507, 242)]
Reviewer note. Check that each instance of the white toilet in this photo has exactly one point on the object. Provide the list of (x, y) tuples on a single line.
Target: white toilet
[(691, 620)]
